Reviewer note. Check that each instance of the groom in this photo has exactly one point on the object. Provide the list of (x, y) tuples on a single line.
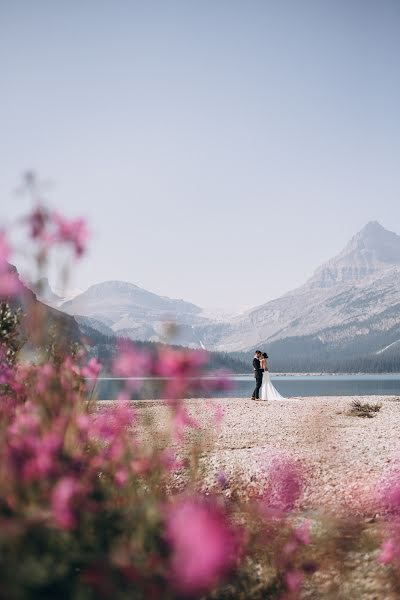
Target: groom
[(258, 374)]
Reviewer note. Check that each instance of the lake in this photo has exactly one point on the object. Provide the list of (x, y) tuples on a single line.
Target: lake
[(290, 386)]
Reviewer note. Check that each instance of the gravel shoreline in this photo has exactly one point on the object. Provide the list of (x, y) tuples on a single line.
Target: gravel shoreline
[(345, 458)]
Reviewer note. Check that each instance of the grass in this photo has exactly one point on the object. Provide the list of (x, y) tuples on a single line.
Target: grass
[(364, 409)]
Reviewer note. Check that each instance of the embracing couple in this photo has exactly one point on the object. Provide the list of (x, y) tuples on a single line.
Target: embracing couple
[(264, 389)]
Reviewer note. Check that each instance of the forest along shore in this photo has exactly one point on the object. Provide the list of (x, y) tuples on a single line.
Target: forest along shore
[(344, 457)]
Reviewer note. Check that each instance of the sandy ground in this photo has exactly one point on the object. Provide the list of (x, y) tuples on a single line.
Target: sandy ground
[(344, 457), (345, 460)]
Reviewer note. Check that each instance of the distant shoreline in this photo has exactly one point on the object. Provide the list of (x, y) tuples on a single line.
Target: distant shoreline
[(319, 374)]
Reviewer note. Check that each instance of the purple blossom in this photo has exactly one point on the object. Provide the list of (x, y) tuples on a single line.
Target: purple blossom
[(62, 502), (203, 543), (74, 232)]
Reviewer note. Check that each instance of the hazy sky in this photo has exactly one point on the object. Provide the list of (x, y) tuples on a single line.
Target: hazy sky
[(220, 150)]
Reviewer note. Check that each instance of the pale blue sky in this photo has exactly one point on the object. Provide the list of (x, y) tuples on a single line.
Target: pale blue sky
[(194, 134)]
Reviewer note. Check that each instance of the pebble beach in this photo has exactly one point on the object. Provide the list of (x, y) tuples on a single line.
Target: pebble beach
[(345, 459)]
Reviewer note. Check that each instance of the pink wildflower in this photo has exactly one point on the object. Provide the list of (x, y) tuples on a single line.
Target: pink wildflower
[(73, 232), (109, 423), (222, 480), (390, 551), (131, 362), (181, 420), (62, 501), (180, 363), (218, 381), (176, 387), (9, 285), (204, 546), (37, 222), (121, 476), (284, 485), (302, 533), (170, 461), (391, 496), (217, 410), (92, 369), (45, 374), (140, 466), (300, 537), (294, 579)]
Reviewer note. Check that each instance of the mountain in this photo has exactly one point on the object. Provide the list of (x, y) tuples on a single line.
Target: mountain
[(349, 307), (44, 292), (134, 312), (58, 329), (369, 252)]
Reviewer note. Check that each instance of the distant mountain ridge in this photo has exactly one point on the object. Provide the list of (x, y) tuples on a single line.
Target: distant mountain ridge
[(349, 307), (350, 304), (370, 251), (131, 311)]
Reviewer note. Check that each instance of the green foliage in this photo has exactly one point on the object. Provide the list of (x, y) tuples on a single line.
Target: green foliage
[(10, 336)]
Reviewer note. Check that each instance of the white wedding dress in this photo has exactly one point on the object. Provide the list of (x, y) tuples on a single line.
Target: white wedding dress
[(268, 391)]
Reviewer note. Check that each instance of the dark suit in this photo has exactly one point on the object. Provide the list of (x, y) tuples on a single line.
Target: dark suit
[(258, 374)]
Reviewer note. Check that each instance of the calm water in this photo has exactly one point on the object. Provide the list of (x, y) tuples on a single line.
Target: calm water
[(288, 385)]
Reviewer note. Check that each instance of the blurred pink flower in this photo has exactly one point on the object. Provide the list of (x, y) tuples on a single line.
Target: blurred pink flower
[(294, 579), (218, 381), (73, 232), (131, 362), (26, 421), (9, 285), (92, 369), (121, 476), (45, 373), (62, 499), (302, 533), (391, 494), (176, 388), (181, 420), (170, 461), (180, 363), (204, 546), (217, 409), (285, 484), (300, 537), (108, 424), (37, 222), (222, 480), (390, 550)]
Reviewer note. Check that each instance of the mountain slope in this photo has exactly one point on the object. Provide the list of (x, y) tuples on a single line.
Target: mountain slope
[(349, 307), (134, 312), (348, 292), (58, 328), (44, 292), (370, 251)]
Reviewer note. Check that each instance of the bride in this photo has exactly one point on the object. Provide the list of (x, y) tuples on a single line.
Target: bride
[(268, 392)]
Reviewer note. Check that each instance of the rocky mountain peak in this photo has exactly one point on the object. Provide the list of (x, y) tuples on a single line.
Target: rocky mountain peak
[(373, 249), (125, 298), (374, 238)]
